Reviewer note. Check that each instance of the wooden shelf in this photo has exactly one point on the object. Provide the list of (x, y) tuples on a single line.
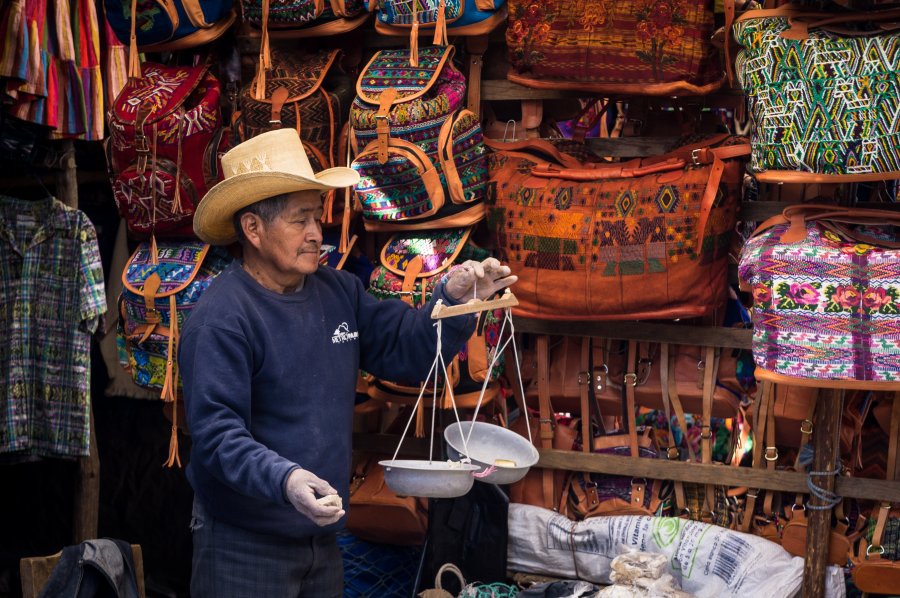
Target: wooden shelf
[(680, 334)]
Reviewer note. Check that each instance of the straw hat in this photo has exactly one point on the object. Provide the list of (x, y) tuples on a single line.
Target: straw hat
[(263, 166)]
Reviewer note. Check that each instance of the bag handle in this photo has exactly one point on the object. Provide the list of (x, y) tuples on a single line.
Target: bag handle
[(797, 216), (800, 27), (445, 156), (547, 150), (606, 172)]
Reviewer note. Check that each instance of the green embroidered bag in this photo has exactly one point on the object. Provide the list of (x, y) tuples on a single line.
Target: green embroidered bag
[(822, 92)]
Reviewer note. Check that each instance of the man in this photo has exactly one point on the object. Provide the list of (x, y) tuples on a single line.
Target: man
[(268, 389)]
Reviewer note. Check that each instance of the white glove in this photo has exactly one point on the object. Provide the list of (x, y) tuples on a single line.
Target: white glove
[(478, 280), (301, 489)]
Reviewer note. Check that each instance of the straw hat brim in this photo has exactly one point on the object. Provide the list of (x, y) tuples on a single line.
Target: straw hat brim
[(213, 220)]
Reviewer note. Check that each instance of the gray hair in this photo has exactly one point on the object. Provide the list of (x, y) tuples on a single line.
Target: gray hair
[(267, 209)]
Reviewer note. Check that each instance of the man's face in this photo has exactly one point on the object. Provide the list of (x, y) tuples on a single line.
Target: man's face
[(291, 242)]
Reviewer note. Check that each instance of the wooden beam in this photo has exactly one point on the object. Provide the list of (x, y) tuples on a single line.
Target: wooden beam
[(659, 469), (87, 491), (712, 336), (826, 438)]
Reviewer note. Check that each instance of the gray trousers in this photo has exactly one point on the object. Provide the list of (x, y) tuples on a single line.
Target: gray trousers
[(231, 562)]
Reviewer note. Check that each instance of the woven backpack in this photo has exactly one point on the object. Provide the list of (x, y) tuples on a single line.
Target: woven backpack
[(412, 265), (305, 18), (420, 157), (164, 148)]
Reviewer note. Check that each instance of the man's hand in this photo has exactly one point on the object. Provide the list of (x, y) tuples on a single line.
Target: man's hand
[(301, 489), (478, 279)]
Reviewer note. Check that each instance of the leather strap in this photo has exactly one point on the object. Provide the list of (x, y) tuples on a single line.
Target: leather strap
[(759, 414), (628, 384), (152, 315), (382, 124), (710, 371), (476, 47), (585, 380), (672, 452), (677, 406), (806, 429), (546, 421), (134, 58), (279, 97), (169, 390), (410, 275)]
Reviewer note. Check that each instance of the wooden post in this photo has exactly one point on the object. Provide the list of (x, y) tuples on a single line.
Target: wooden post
[(67, 187), (87, 492), (826, 431)]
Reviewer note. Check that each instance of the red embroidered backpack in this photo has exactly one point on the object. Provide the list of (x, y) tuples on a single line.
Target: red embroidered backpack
[(166, 140)]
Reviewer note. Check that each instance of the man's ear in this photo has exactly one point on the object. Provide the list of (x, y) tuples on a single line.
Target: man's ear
[(252, 226)]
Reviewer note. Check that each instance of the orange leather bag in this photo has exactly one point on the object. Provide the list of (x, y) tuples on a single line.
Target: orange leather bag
[(643, 239), (377, 514)]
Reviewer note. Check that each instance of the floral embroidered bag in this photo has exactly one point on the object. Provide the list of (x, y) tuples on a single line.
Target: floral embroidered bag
[(822, 94), (411, 267), (420, 156), (164, 148), (826, 297), (646, 47)]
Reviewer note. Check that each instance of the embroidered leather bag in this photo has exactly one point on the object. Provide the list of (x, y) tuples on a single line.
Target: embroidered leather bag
[(647, 47), (305, 17), (164, 148), (826, 297), (162, 283), (588, 241), (411, 267), (168, 25), (454, 17), (822, 96)]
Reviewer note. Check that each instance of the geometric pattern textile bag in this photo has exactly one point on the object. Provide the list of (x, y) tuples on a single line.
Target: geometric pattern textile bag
[(168, 25), (412, 265), (826, 295), (456, 17), (414, 145), (162, 284), (305, 17), (822, 92), (645, 47), (643, 239)]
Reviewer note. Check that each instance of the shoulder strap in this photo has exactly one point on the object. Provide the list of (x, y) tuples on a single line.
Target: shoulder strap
[(546, 421)]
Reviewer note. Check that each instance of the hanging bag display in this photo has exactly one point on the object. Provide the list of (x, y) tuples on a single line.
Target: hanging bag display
[(444, 17), (162, 284), (304, 18), (168, 25), (646, 47), (164, 148), (412, 265), (822, 93), (420, 156), (643, 239), (826, 293)]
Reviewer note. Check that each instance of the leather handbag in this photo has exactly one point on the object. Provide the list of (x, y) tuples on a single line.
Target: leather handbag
[(420, 156), (826, 292), (444, 17), (645, 47), (578, 495), (679, 381), (644, 239), (820, 93), (377, 514), (304, 18), (168, 25), (412, 265), (164, 149)]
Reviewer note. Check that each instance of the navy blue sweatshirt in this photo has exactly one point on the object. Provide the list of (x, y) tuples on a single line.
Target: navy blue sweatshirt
[(269, 385)]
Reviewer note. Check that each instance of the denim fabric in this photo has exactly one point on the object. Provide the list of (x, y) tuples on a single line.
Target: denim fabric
[(231, 562)]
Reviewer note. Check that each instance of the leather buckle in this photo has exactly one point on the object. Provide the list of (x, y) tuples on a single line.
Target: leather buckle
[(695, 156), (645, 366), (140, 144), (584, 378), (275, 122), (152, 316), (705, 432), (806, 427), (634, 378), (871, 546), (771, 453), (599, 377), (673, 453)]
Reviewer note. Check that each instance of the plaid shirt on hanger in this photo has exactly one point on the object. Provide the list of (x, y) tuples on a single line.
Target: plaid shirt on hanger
[(51, 300)]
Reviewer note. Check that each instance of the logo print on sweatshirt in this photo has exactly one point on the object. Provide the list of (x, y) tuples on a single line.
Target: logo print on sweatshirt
[(342, 334)]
